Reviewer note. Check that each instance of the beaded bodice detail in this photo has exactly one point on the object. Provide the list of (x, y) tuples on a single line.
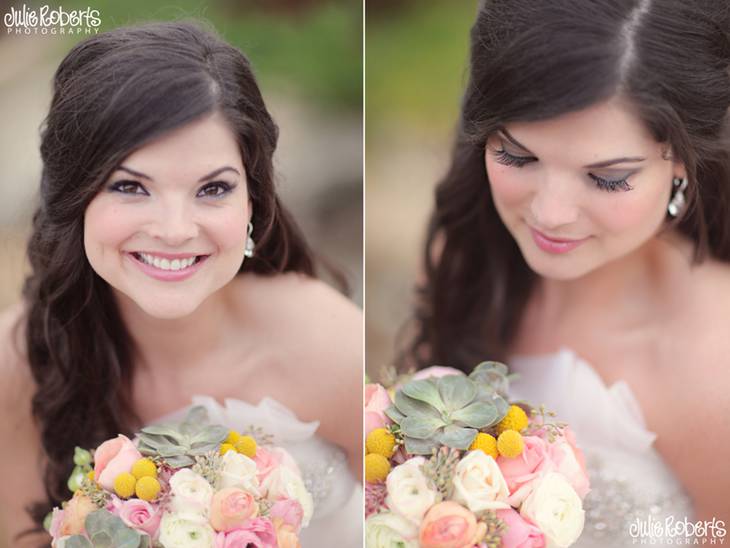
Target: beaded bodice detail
[(630, 482)]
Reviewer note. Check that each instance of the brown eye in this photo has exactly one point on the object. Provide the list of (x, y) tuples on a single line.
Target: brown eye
[(214, 190), (128, 187)]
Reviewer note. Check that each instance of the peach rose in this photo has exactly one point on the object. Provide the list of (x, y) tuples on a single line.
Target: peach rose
[(449, 525), (230, 508), (74, 515), (570, 462), (520, 533), (377, 401), (286, 536), (522, 471), (112, 458)]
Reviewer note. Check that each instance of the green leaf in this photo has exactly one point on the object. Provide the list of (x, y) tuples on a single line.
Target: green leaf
[(393, 414), (102, 539), (200, 450), (162, 430), (420, 427), (410, 407), (78, 541), (456, 391), (214, 434), (424, 390), (477, 415), (419, 447), (180, 462), (457, 437), (171, 451)]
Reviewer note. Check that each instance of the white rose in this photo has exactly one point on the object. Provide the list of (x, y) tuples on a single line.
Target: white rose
[(181, 530), (191, 493), (409, 492), (239, 471), (479, 483), (283, 482), (556, 509), (389, 530)]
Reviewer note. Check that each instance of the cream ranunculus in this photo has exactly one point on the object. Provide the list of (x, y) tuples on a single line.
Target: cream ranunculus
[(389, 530), (479, 484), (188, 530), (283, 482), (556, 509), (191, 493), (239, 471), (409, 492)]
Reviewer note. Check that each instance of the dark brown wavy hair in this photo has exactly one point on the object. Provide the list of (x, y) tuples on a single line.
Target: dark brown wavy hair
[(537, 60), (112, 94)]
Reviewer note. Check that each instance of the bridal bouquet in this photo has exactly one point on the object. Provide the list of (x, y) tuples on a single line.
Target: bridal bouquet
[(450, 463), (185, 485)]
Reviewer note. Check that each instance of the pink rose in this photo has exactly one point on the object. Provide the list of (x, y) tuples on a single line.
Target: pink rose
[(112, 458), (289, 511), (140, 515), (436, 371), (56, 523), (231, 507), (255, 533), (522, 471), (520, 533), (266, 461), (449, 525), (74, 515), (377, 401), (286, 536), (570, 462)]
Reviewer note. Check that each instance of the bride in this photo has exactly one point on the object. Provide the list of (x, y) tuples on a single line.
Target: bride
[(164, 267), (582, 235)]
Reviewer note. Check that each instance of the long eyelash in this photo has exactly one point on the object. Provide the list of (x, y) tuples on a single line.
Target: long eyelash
[(507, 159), (227, 188), (609, 185), (117, 187)]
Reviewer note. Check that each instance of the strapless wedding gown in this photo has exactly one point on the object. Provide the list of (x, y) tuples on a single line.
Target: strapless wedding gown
[(338, 498), (629, 479)]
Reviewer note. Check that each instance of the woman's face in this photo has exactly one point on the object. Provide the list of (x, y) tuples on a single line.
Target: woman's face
[(580, 190), (168, 229)]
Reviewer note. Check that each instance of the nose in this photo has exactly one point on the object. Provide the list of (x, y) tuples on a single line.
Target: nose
[(173, 223), (555, 204)]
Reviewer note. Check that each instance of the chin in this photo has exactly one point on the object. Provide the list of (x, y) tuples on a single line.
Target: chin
[(561, 269), (167, 309)]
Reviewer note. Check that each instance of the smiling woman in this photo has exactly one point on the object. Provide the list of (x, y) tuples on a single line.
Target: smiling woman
[(164, 268)]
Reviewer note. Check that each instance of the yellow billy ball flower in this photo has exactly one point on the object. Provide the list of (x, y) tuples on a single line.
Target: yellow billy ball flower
[(147, 488), (510, 444), (515, 419), (485, 443), (246, 445), (124, 485), (225, 447), (144, 468), (380, 441), (233, 437), (377, 468), (91, 476)]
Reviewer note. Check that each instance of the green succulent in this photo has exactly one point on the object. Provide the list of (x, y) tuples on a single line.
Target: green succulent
[(106, 530), (178, 444), (450, 410)]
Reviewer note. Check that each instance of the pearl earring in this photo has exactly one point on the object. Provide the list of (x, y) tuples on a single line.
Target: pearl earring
[(250, 244), (676, 204)]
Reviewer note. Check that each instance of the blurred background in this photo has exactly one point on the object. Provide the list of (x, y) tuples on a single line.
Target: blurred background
[(307, 55), (416, 69)]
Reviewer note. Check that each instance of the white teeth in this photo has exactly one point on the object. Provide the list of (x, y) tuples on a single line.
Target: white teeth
[(166, 264)]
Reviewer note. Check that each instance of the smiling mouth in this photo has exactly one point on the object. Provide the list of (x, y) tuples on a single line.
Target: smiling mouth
[(168, 265)]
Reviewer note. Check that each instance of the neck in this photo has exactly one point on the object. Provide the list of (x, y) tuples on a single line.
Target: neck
[(630, 291), (168, 346)]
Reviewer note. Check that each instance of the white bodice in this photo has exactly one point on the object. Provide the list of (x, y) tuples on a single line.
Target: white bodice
[(338, 500), (629, 479)]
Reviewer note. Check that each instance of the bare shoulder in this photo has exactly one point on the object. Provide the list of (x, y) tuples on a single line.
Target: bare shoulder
[(22, 455), (698, 404), (321, 334)]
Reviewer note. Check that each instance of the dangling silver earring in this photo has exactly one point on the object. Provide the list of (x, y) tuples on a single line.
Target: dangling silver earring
[(250, 244), (676, 204)]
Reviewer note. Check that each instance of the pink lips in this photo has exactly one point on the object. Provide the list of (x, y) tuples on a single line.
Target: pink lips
[(168, 275), (554, 245)]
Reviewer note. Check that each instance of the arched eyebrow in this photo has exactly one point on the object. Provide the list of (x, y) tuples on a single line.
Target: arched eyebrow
[(604, 163), (202, 179)]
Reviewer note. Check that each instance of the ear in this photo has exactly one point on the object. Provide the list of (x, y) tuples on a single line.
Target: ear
[(678, 169)]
